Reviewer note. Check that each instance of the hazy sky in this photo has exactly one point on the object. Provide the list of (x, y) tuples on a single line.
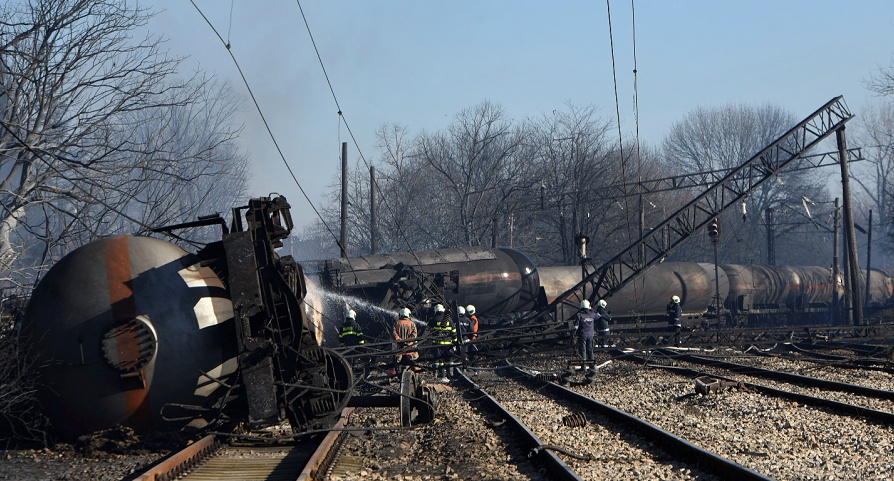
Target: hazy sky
[(419, 63)]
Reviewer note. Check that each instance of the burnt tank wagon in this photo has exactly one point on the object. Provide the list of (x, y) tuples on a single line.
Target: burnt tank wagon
[(138, 332), (496, 281)]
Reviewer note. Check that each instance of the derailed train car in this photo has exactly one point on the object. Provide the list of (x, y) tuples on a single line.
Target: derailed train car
[(135, 331), (644, 300), (498, 282)]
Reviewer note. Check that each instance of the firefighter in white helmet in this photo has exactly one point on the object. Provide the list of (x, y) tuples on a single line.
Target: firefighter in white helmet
[(602, 320), (351, 334), (405, 333), (674, 314), (584, 330)]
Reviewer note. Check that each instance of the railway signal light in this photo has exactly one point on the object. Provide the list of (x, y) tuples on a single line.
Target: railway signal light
[(714, 229)]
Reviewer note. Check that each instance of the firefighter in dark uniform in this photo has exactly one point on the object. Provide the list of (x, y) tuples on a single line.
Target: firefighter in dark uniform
[(442, 332), (674, 313), (602, 320), (351, 334)]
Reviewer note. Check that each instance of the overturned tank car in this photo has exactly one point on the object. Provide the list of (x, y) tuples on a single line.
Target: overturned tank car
[(138, 332)]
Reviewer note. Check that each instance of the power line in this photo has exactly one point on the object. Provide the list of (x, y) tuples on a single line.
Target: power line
[(391, 211)]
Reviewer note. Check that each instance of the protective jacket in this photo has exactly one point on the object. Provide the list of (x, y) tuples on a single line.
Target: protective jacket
[(474, 320), (674, 312), (442, 330), (464, 325), (602, 319), (405, 329), (585, 323), (351, 334)]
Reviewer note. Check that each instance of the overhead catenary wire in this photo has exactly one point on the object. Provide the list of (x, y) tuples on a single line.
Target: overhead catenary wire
[(264, 120), (618, 119), (341, 115), (228, 46), (639, 164)]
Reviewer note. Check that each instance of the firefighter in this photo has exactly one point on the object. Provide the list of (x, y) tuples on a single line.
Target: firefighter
[(473, 349), (443, 332), (470, 311), (602, 320), (405, 334), (351, 333), (584, 330), (674, 313)]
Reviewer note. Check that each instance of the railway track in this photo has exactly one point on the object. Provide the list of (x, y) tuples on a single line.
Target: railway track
[(767, 434), (844, 397), (305, 459), (598, 441), (780, 434)]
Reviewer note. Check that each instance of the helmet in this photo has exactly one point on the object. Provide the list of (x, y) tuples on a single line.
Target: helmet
[(461, 310), (404, 313), (584, 304), (675, 299), (602, 303), (351, 314), (439, 308), (470, 309)]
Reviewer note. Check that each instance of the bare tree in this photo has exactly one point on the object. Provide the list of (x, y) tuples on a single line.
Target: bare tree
[(475, 172), (708, 140), (575, 164), (98, 134), (882, 82), (875, 177)]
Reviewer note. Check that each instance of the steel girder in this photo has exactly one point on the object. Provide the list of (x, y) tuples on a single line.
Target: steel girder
[(655, 245)]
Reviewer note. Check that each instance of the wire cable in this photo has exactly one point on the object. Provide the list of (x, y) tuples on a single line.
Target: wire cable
[(639, 165), (391, 211), (263, 118)]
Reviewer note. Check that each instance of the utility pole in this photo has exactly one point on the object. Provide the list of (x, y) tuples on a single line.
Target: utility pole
[(868, 257), (581, 241), (343, 239), (850, 235), (771, 238), (373, 233), (714, 234), (836, 300)]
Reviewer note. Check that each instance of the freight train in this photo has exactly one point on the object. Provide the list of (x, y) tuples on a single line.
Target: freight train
[(750, 295), (503, 284), (139, 332)]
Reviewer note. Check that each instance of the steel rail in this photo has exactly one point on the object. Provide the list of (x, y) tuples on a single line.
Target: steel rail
[(680, 448), (846, 409), (557, 468), (261, 461), (783, 376), (830, 360)]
